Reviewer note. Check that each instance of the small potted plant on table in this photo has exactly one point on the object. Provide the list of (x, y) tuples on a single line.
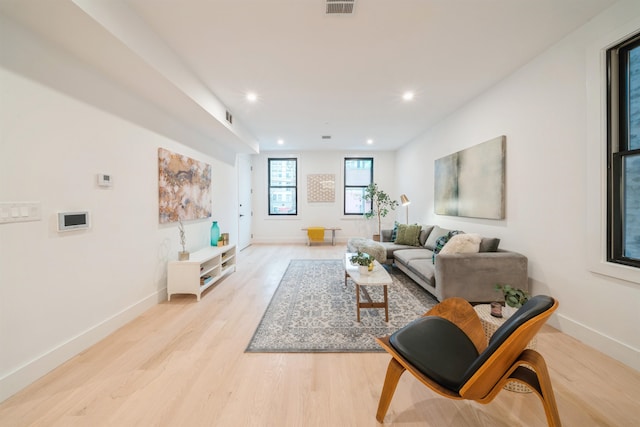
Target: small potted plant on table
[(364, 262), (513, 298)]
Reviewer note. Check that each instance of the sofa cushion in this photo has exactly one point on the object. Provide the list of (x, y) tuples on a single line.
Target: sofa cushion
[(408, 234), (419, 262), (405, 256), (424, 269), (424, 234), (443, 241), (462, 244), (435, 234), (392, 247), (489, 244)]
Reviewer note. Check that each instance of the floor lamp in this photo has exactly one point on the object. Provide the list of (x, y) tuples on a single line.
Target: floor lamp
[(404, 201)]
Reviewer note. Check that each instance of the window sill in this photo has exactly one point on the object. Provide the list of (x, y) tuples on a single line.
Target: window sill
[(616, 271)]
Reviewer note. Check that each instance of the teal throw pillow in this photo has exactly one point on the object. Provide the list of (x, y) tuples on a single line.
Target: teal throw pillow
[(408, 235), (394, 232), (435, 234), (441, 241)]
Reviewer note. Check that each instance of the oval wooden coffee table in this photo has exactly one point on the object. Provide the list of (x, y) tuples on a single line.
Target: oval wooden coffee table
[(377, 277)]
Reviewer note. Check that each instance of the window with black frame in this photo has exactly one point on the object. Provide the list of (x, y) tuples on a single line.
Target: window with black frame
[(623, 133), (358, 174), (283, 186)]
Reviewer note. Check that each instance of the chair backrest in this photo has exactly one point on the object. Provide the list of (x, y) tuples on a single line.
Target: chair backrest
[(505, 346)]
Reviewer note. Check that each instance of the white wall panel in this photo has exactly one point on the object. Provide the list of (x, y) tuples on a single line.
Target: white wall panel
[(542, 110)]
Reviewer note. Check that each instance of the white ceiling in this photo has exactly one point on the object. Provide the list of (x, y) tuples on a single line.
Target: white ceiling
[(315, 74)]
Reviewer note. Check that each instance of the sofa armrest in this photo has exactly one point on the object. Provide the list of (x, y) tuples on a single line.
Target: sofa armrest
[(474, 276)]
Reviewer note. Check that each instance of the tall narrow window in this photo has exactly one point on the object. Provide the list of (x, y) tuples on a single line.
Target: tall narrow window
[(358, 174), (623, 234), (283, 186)]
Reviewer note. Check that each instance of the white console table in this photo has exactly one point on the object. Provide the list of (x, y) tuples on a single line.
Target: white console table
[(203, 268)]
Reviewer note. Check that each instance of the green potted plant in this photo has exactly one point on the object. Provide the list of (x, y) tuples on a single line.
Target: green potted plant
[(364, 262), (381, 205), (513, 298)]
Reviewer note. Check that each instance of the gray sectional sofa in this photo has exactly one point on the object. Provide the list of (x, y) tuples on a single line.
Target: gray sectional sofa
[(472, 276)]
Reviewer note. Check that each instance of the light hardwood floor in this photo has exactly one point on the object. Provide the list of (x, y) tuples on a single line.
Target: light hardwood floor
[(182, 363)]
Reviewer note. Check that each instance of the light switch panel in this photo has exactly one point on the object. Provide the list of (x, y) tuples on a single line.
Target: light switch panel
[(20, 212)]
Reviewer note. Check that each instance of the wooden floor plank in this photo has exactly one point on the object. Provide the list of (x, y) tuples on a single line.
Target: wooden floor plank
[(183, 363)]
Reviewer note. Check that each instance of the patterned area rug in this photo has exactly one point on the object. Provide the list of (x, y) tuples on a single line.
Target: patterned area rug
[(312, 311)]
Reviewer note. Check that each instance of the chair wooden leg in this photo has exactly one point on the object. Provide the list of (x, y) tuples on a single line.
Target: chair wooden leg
[(540, 383), (394, 371)]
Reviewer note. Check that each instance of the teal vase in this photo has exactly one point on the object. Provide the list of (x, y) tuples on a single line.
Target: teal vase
[(215, 233)]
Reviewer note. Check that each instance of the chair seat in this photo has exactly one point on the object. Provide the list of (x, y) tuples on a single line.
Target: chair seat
[(447, 361)]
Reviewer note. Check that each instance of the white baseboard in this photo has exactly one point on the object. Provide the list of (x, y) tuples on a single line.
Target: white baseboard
[(36, 368), (610, 346)]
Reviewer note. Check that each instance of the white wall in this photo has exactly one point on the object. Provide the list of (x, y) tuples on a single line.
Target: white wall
[(272, 229), (61, 292), (542, 109)]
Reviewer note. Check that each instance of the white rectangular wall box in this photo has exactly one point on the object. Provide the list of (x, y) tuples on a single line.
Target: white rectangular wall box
[(105, 180), (68, 221)]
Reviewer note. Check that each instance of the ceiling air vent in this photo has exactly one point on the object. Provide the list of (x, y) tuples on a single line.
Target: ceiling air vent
[(326, 137), (340, 7)]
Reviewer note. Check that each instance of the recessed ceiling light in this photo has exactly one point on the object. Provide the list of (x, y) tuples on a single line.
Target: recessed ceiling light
[(407, 96), (252, 97), (280, 142), (369, 141)]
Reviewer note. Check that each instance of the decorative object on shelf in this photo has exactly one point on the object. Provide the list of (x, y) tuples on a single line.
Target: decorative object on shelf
[(182, 255), (184, 187), (513, 299), (381, 205), (404, 201), (471, 182), (225, 239), (215, 233)]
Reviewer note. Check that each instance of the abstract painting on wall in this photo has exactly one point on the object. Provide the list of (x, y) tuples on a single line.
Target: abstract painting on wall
[(184, 186), (321, 188), (471, 182)]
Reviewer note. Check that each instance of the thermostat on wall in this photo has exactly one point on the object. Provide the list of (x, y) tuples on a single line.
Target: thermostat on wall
[(68, 221), (104, 180)]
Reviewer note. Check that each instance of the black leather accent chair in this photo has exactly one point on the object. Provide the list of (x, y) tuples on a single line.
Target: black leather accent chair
[(447, 350)]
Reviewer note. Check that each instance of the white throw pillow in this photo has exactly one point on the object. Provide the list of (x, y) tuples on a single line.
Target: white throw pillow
[(462, 244)]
